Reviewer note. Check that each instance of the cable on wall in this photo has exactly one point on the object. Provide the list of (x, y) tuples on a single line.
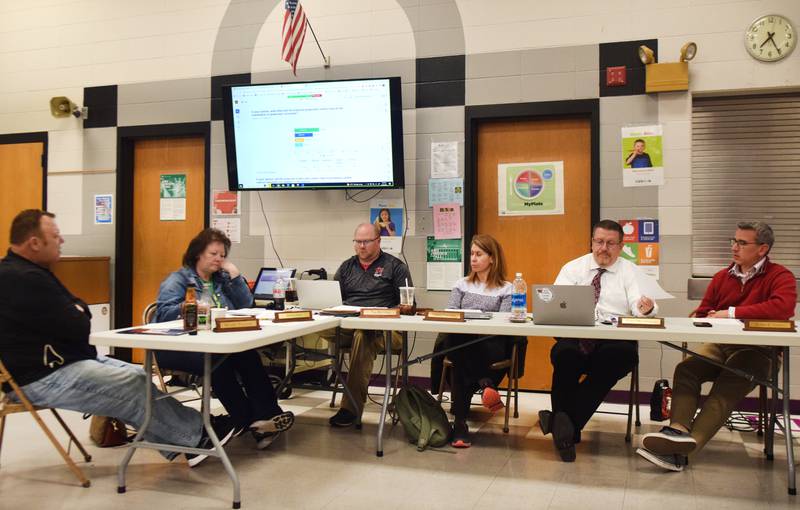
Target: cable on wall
[(269, 229)]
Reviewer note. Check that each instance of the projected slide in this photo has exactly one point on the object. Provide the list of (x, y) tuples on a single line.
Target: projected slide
[(313, 134)]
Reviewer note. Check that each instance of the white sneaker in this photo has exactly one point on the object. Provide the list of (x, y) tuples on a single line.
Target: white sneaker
[(670, 462), (277, 423)]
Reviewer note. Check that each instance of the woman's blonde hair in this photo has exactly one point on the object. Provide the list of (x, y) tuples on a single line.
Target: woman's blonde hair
[(497, 269)]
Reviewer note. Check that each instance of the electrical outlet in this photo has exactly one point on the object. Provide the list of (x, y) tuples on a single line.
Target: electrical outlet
[(615, 76)]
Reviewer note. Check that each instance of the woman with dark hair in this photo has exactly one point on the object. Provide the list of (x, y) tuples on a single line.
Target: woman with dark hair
[(251, 403), (484, 288), (385, 223)]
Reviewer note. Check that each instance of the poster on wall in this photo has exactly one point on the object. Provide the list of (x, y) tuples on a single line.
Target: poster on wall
[(231, 226), (103, 209), (641, 244), (387, 215), (444, 160), (642, 156), (447, 221), (225, 203), (173, 197), (526, 189), (444, 267), (445, 191)]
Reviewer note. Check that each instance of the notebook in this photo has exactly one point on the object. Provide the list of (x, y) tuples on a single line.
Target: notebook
[(267, 276), (318, 294), (563, 305)]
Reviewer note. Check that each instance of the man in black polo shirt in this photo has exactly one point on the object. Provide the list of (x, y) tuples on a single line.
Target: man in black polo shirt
[(370, 278)]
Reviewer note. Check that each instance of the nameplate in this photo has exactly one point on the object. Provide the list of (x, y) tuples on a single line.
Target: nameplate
[(769, 325), (293, 316), (640, 322), (441, 315), (228, 324), (380, 313)]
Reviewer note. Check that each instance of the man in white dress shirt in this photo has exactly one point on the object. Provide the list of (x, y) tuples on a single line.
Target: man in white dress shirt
[(604, 362)]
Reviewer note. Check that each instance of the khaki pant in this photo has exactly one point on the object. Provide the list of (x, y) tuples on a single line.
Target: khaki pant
[(364, 346), (727, 391)]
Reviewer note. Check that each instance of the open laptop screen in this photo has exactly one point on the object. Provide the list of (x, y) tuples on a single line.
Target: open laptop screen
[(266, 280)]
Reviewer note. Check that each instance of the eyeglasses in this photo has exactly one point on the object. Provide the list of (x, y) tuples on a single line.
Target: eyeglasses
[(740, 243), (364, 242), (609, 244)]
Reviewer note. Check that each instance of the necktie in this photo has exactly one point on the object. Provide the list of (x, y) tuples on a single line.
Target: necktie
[(587, 346)]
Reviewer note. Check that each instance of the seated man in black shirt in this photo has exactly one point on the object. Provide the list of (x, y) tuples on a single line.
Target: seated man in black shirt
[(44, 343), (370, 278)]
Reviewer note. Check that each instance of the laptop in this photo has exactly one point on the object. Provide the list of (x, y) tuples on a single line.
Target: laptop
[(563, 305), (267, 276), (318, 294)]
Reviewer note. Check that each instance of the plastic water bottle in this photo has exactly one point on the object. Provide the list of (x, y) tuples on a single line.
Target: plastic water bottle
[(279, 294), (519, 299)]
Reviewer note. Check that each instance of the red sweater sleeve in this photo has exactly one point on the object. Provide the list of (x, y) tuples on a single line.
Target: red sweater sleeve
[(711, 296), (780, 303)]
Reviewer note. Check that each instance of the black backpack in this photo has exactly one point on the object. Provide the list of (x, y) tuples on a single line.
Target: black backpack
[(423, 418)]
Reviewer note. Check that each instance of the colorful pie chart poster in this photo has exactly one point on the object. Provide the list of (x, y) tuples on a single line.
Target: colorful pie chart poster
[(530, 188)]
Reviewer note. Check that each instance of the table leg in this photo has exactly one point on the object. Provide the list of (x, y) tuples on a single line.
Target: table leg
[(772, 413), (386, 392), (404, 353), (206, 411), (148, 407), (787, 423)]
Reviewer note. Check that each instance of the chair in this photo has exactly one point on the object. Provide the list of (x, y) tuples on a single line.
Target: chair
[(147, 318), (511, 365), (8, 407), (400, 353)]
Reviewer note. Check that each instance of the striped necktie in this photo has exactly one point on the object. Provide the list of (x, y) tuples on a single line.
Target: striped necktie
[(587, 346)]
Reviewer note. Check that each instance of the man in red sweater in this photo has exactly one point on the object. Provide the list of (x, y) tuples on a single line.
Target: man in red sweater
[(752, 287)]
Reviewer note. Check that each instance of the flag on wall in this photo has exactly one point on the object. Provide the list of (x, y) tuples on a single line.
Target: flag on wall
[(294, 32)]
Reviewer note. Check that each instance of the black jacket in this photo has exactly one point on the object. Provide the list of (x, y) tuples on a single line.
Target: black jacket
[(41, 328)]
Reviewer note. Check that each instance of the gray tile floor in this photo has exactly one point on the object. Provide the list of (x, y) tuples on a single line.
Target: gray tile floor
[(314, 466)]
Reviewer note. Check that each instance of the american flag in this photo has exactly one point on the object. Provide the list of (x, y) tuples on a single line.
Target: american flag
[(294, 32)]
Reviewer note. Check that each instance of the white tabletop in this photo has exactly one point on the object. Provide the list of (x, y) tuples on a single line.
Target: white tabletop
[(208, 341), (678, 329)]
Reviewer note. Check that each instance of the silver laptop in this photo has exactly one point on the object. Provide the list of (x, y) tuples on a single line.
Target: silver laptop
[(318, 294), (563, 305)]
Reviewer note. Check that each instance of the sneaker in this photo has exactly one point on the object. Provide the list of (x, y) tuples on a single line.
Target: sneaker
[(277, 423), (264, 439), (668, 441), (671, 462), (490, 398), (545, 421), (342, 419), (460, 438), (223, 428), (564, 436)]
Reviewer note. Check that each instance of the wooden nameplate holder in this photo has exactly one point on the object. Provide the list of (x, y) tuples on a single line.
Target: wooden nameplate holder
[(641, 322), (769, 325), (379, 313), (293, 316), (444, 316), (228, 324)]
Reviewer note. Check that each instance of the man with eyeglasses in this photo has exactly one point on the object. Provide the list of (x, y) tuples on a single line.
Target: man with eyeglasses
[(371, 277), (603, 362), (751, 287)]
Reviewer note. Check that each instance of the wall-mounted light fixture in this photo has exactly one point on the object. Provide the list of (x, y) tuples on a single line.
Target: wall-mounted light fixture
[(668, 76), (61, 106)]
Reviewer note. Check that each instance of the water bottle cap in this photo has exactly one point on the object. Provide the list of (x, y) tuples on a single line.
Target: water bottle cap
[(519, 275)]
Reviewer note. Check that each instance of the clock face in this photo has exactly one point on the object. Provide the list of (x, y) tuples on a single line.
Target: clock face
[(770, 38)]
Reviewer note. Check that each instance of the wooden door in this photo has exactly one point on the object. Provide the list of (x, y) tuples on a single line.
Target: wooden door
[(158, 246), (537, 246), (21, 183)]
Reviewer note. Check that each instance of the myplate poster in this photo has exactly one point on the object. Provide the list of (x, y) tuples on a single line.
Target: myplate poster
[(530, 188)]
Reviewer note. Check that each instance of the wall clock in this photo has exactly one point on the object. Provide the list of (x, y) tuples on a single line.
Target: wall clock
[(770, 38)]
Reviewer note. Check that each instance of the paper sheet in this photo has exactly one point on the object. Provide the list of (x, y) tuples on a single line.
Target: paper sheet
[(447, 221), (444, 160), (649, 287), (231, 226), (443, 275), (445, 191)]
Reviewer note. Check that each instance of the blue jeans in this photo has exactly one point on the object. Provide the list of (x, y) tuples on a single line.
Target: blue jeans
[(109, 387)]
